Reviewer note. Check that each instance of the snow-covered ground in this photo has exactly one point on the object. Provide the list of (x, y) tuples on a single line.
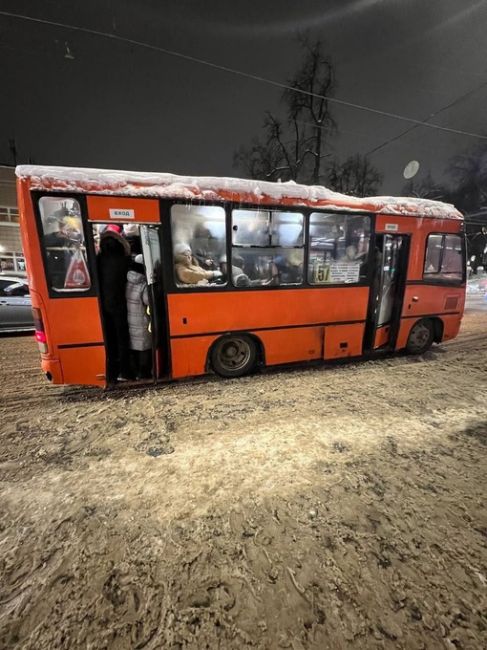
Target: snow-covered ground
[(330, 507), (477, 284), (477, 291)]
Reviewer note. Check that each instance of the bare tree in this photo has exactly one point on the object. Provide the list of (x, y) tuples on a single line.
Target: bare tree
[(356, 176), (469, 170), (261, 160), (293, 148), (427, 188)]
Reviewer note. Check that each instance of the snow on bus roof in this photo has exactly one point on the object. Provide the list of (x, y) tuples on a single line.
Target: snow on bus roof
[(213, 188)]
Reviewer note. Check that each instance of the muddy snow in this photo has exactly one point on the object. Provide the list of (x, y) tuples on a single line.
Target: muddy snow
[(324, 507)]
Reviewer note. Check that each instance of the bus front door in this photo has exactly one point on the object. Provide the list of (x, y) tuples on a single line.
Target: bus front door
[(151, 250), (387, 291)]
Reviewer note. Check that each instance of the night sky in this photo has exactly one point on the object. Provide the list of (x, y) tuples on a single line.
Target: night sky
[(71, 98)]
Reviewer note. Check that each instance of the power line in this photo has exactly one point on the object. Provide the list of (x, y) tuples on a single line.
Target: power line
[(241, 73), (430, 117)]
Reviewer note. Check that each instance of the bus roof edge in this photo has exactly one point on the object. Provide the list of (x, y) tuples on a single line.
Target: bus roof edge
[(214, 188)]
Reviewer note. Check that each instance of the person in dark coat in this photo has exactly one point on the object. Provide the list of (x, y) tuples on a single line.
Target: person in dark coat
[(131, 234), (205, 248), (113, 264)]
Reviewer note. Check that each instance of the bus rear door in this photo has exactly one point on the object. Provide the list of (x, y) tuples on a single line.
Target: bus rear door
[(151, 250), (387, 291)]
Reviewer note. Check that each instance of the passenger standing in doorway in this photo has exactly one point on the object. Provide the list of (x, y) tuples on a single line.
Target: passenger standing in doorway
[(113, 263), (132, 235), (137, 294)]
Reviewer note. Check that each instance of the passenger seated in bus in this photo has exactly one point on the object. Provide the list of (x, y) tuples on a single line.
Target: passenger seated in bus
[(258, 267), (239, 277), (289, 265), (188, 271), (205, 248), (237, 271), (350, 255), (112, 262), (137, 294)]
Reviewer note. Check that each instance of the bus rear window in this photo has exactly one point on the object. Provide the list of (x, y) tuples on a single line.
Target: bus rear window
[(444, 258), (64, 245)]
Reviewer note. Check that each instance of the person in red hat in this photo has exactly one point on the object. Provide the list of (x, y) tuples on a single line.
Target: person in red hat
[(113, 227)]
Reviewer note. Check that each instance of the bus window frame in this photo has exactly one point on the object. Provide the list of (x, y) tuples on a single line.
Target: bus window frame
[(442, 282), (93, 291), (228, 206), (170, 274), (367, 282), (271, 210)]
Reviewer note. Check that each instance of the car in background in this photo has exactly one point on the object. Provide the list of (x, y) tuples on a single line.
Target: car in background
[(15, 305)]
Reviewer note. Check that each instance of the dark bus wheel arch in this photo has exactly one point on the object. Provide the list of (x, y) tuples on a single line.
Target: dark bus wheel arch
[(422, 335), (235, 355)]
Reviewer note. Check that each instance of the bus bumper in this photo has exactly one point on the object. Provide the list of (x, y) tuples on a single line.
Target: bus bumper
[(52, 370)]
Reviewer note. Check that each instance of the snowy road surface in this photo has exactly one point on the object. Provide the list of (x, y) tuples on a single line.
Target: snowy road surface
[(332, 507)]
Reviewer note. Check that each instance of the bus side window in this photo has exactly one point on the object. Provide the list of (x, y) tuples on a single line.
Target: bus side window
[(433, 254), (64, 245), (199, 245), (267, 248), (444, 258), (338, 248)]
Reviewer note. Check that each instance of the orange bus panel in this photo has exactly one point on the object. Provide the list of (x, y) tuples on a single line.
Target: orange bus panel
[(122, 209), (382, 336), (82, 368), (74, 321), (52, 368), (189, 356), (291, 345), (343, 341), (425, 300), (220, 312)]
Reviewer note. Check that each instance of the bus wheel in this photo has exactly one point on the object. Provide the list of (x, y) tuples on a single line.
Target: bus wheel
[(420, 337), (233, 356)]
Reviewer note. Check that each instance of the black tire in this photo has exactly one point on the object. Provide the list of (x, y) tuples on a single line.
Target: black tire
[(233, 356), (420, 337)]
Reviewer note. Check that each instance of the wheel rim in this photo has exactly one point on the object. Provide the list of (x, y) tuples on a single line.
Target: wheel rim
[(234, 354), (420, 335)]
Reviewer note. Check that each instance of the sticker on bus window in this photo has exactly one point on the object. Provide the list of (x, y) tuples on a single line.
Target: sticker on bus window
[(118, 213), (77, 276), (321, 272), (344, 272), (392, 227)]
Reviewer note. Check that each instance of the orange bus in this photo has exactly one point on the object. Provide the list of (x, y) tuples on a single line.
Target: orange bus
[(237, 274)]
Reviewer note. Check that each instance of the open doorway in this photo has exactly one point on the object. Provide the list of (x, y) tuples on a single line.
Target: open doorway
[(387, 291), (152, 260), (132, 302)]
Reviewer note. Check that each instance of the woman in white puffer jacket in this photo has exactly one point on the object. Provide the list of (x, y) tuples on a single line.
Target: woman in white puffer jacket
[(137, 295)]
